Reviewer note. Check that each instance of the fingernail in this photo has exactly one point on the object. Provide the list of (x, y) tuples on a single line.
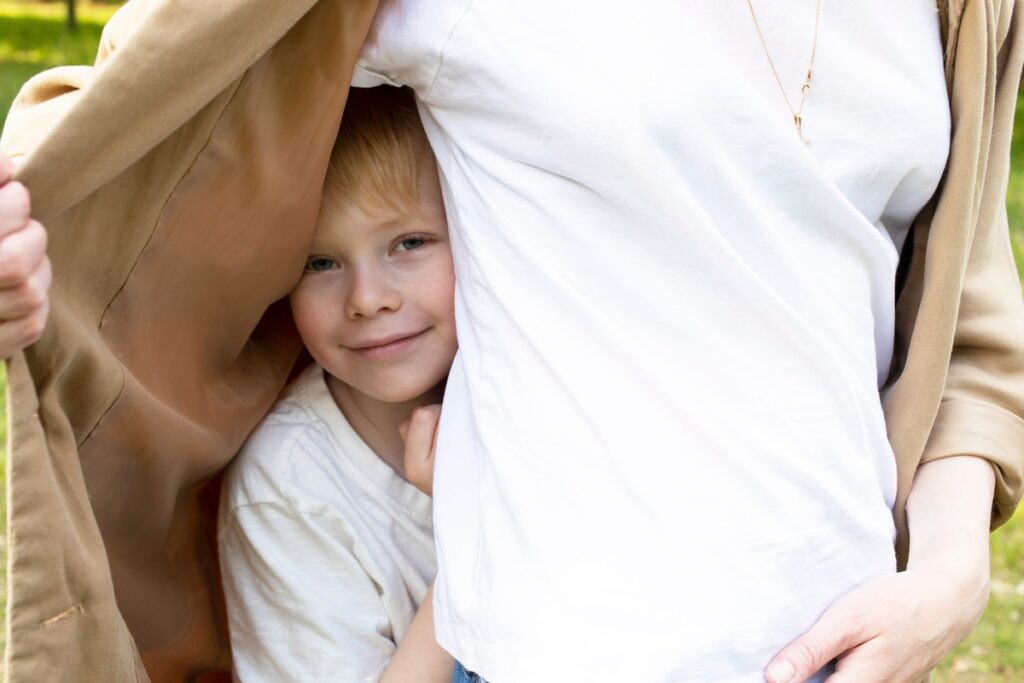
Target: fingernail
[(781, 672)]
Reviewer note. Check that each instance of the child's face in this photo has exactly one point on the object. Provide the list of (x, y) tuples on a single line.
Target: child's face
[(375, 303)]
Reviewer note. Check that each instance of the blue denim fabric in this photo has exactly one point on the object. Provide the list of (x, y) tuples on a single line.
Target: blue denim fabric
[(463, 676)]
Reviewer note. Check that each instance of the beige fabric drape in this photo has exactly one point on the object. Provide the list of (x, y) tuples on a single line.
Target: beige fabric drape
[(960, 316), (180, 179)]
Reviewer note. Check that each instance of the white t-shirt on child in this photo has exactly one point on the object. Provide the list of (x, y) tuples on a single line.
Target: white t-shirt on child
[(326, 552)]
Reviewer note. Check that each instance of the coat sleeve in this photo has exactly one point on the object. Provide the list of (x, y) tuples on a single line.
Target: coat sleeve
[(982, 409)]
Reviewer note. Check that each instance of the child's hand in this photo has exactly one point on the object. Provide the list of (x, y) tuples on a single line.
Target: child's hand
[(419, 432)]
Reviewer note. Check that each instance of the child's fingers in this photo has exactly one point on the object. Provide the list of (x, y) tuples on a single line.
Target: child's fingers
[(419, 433)]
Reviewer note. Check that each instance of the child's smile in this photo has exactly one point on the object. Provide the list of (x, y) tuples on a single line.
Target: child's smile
[(375, 304), (387, 348)]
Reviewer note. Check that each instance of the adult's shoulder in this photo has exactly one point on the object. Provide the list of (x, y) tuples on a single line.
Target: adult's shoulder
[(406, 42)]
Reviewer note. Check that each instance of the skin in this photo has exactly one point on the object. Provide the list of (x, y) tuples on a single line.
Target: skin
[(25, 273), (894, 629), (375, 308), (373, 276)]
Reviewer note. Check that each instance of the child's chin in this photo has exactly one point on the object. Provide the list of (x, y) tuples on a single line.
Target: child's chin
[(400, 393)]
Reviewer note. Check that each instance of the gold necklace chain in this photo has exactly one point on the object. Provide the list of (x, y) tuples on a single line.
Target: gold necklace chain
[(798, 114)]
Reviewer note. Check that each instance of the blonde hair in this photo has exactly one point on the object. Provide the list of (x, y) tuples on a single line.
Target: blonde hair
[(377, 156)]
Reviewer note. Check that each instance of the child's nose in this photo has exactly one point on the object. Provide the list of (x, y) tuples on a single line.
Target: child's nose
[(371, 293)]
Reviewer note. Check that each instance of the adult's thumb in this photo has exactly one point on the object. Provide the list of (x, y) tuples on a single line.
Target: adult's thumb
[(833, 634)]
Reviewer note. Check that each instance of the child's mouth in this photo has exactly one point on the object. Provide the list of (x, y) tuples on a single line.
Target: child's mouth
[(389, 347)]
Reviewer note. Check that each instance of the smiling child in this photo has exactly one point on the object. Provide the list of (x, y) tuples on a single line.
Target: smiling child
[(326, 548)]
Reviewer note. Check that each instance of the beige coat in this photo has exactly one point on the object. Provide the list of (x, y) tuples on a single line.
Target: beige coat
[(180, 180)]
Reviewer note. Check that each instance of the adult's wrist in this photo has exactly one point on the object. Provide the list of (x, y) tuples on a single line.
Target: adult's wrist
[(948, 513), (949, 508)]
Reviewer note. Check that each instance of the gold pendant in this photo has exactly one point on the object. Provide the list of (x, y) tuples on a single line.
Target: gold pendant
[(798, 121)]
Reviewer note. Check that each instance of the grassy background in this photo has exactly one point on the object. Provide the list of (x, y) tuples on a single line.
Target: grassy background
[(33, 38)]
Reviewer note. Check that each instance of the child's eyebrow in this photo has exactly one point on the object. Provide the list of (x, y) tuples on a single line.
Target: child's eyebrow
[(406, 222), (399, 222)]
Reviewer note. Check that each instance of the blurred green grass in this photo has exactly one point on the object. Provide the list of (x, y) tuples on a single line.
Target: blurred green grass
[(33, 38)]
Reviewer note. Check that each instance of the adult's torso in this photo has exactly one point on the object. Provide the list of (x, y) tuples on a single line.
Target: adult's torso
[(662, 453)]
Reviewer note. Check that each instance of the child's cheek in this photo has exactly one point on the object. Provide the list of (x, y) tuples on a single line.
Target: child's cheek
[(439, 282), (312, 311)]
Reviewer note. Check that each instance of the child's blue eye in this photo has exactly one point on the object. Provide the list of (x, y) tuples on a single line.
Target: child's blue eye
[(410, 243), (318, 264)]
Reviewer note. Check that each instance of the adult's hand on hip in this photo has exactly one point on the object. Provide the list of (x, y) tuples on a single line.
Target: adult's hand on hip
[(896, 628), (24, 268), (891, 629)]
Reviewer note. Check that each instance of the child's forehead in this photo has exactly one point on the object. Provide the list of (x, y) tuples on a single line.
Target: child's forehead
[(367, 206), (347, 217)]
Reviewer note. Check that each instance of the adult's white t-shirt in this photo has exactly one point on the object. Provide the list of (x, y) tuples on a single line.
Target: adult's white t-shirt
[(662, 453), (325, 552)]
